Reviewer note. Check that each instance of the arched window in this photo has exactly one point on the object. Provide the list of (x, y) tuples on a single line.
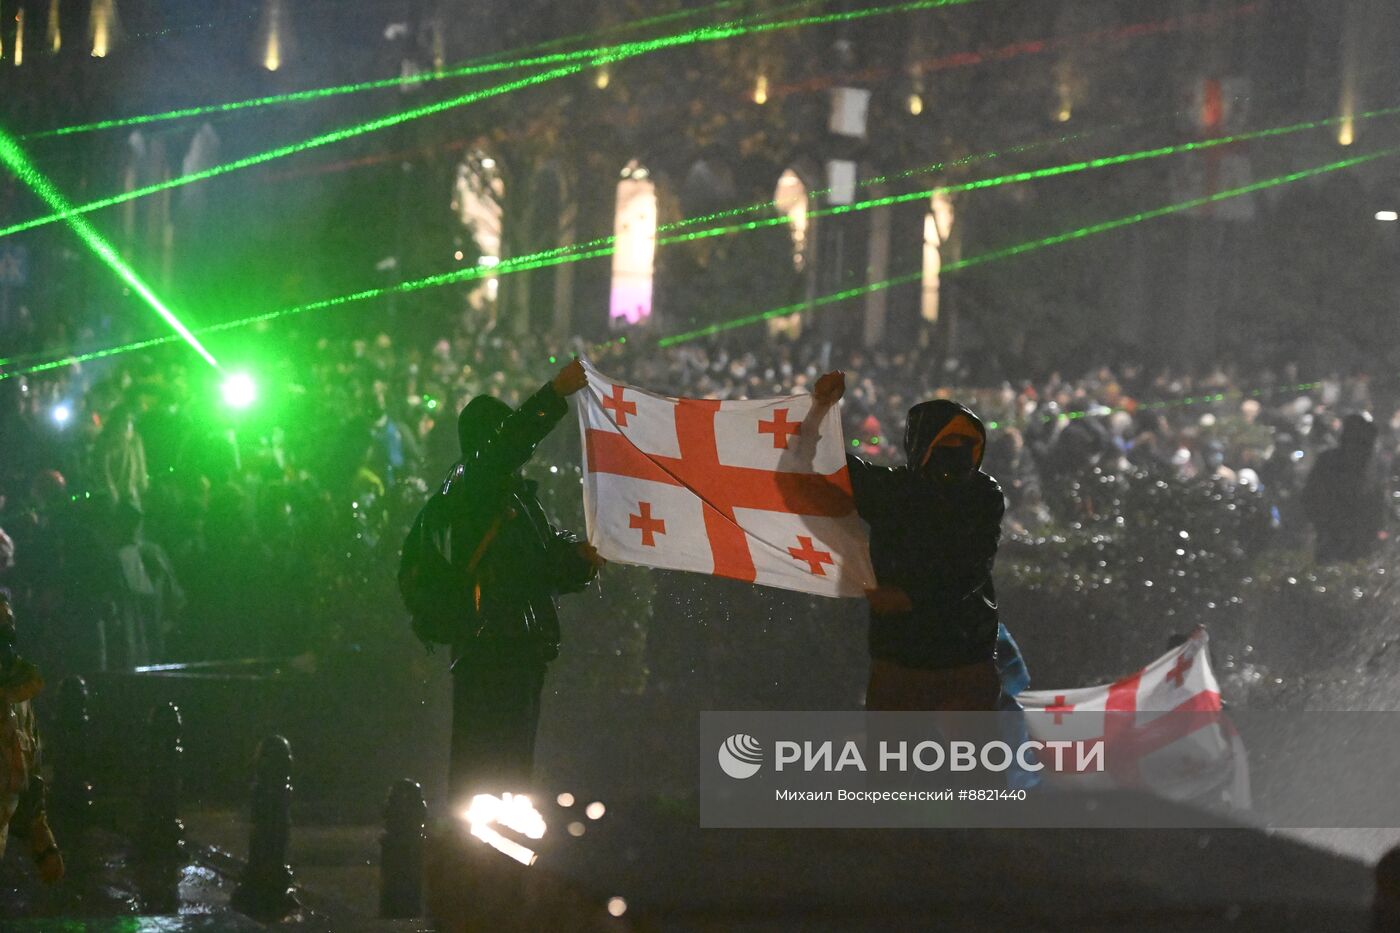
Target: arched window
[(634, 249), (938, 227), (273, 47), (476, 198), (102, 27), (790, 198), (53, 34)]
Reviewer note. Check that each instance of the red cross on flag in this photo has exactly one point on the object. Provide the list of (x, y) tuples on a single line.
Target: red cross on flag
[(753, 490), (1163, 730)]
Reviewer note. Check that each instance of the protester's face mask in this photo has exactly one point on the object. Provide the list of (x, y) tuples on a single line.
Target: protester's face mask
[(951, 462), (954, 453)]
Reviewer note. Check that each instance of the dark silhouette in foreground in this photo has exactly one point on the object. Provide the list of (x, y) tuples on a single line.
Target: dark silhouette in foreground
[(1343, 497), (504, 563)]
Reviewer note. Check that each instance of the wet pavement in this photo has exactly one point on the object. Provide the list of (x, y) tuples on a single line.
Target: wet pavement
[(677, 877), (108, 888), (337, 864), (105, 883)]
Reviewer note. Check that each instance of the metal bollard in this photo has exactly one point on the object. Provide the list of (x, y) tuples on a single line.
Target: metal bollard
[(71, 800), (162, 834), (266, 893), (401, 852)]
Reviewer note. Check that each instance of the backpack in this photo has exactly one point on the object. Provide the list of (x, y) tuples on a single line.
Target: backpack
[(443, 601)]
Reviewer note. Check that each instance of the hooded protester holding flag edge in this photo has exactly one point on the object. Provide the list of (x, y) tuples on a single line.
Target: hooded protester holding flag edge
[(934, 529), (513, 562)]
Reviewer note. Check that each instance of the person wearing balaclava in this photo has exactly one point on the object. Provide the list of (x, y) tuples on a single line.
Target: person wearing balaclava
[(934, 528), (21, 789), (1342, 497), (498, 666)]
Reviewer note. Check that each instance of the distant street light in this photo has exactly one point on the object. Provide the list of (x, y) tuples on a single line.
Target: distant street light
[(1387, 215)]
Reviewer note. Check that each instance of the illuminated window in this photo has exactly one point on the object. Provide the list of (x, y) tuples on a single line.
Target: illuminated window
[(634, 251), (760, 90), (938, 226), (52, 34), (102, 27), (276, 33), (790, 199), (1069, 89), (476, 198)]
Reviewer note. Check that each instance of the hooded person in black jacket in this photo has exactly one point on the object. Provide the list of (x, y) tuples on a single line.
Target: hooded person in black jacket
[(1343, 496), (498, 663), (934, 528)]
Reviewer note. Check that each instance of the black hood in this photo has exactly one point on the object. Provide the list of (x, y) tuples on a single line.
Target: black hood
[(1358, 432), (928, 419), (479, 420)]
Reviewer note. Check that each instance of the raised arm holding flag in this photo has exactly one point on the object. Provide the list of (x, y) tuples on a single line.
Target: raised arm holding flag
[(480, 571), (934, 528), (754, 490)]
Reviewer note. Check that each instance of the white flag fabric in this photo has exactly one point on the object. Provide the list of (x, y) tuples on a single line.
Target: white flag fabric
[(754, 490), (1163, 727)]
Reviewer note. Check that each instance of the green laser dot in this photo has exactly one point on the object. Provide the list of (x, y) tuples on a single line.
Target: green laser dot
[(239, 391)]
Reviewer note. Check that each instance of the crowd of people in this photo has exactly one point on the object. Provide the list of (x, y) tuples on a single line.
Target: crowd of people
[(146, 521)]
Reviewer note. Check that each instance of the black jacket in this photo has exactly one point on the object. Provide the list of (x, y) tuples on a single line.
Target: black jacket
[(529, 561), (937, 542), (1344, 500)]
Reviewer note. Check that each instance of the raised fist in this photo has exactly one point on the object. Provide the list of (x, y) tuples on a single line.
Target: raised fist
[(830, 388), (570, 379)]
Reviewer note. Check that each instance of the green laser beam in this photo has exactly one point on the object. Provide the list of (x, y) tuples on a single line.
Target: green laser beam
[(1029, 175), (630, 50), (19, 164), (483, 65), (709, 330), (432, 281), (1106, 226), (813, 195), (522, 264), (603, 246), (323, 139), (1029, 246), (657, 20), (981, 184), (1169, 403), (761, 316), (591, 249)]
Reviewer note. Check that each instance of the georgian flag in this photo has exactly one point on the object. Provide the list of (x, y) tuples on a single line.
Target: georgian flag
[(752, 490), (1164, 730)]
